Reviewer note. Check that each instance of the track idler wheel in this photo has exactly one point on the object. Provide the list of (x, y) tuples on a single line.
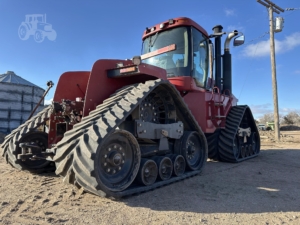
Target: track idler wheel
[(191, 145), (178, 164), (117, 161), (147, 173), (165, 167), (40, 139), (237, 150), (254, 143)]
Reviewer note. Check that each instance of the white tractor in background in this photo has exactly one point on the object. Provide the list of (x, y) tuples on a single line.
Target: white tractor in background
[(35, 24)]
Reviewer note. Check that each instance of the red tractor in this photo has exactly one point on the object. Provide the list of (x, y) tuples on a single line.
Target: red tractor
[(129, 126)]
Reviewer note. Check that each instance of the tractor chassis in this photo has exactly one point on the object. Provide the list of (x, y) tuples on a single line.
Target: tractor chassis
[(143, 130), (31, 151)]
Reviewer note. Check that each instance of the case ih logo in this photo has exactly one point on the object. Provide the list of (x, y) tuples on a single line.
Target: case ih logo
[(36, 25)]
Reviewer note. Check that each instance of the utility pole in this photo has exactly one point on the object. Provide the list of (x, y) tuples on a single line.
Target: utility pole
[(273, 8)]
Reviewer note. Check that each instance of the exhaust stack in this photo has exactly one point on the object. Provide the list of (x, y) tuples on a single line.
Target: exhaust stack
[(218, 61), (227, 70)]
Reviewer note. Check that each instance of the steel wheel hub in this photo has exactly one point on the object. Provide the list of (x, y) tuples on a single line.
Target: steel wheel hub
[(147, 172), (192, 148), (114, 156), (148, 112)]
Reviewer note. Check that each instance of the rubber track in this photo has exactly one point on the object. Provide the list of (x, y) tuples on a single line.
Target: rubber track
[(75, 153), (213, 144), (8, 147), (227, 135)]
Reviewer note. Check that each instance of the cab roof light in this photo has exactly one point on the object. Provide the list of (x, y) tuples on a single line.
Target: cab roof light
[(171, 21)]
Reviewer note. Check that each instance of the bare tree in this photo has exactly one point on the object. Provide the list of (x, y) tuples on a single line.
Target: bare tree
[(292, 118), (269, 117)]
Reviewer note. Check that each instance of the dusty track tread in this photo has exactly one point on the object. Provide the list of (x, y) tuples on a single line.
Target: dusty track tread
[(8, 147), (227, 135), (100, 124), (212, 142)]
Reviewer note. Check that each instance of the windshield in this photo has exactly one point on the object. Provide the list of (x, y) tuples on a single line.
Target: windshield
[(170, 49)]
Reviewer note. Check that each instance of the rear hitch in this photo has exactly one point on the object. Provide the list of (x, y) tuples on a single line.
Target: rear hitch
[(33, 152)]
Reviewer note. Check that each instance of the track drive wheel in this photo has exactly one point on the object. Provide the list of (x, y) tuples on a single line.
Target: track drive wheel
[(117, 161), (191, 145)]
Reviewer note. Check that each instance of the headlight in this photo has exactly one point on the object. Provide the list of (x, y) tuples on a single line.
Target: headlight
[(136, 60)]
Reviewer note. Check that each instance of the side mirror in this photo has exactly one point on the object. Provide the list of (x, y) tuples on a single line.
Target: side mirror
[(239, 40)]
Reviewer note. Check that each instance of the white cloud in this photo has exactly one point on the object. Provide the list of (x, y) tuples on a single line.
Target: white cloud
[(261, 109), (262, 48), (297, 71), (287, 110), (259, 49), (48, 101), (229, 12)]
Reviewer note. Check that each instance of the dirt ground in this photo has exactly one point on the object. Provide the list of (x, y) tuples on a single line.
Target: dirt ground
[(263, 190)]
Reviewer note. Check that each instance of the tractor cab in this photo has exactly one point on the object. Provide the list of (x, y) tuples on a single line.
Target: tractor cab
[(179, 46), (38, 18)]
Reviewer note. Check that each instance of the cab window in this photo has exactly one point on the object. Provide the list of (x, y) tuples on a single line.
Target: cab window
[(175, 62), (200, 58)]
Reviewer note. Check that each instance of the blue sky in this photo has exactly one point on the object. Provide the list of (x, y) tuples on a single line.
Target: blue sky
[(94, 29)]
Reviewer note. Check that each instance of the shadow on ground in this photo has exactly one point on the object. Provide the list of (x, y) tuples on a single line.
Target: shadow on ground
[(267, 183)]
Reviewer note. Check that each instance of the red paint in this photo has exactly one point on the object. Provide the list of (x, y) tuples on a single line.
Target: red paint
[(180, 21), (67, 88), (205, 105), (100, 87)]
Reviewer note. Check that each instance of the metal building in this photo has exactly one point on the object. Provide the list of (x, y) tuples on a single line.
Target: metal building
[(18, 97)]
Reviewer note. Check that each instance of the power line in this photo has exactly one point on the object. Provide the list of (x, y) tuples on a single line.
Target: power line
[(261, 36), (291, 9)]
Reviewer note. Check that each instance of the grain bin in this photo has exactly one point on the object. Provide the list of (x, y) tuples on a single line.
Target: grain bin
[(18, 97)]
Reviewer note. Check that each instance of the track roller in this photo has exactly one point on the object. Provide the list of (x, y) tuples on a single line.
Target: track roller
[(165, 167), (178, 164), (147, 173)]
